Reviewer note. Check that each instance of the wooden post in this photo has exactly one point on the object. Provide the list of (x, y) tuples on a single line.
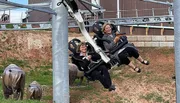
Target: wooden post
[(147, 30), (162, 30), (131, 30)]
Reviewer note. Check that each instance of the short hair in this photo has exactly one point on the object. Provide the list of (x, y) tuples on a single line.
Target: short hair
[(103, 27)]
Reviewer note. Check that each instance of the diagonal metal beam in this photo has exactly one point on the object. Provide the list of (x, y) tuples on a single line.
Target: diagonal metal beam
[(44, 4), (41, 9), (86, 2)]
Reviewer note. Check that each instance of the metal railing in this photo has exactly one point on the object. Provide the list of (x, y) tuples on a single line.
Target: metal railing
[(139, 13)]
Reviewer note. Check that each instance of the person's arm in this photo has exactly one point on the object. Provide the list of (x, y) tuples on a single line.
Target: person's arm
[(83, 62), (118, 36), (95, 57), (111, 45)]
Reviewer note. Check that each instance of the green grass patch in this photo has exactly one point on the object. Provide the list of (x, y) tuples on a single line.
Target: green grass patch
[(155, 97), (86, 88), (148, 73), (20, 63), (84, 82), (132, 75), (9, 26), (167, 51), (49, 97), (113, 75), (158, 79), (20, 101), (43, 76), (122, 100)]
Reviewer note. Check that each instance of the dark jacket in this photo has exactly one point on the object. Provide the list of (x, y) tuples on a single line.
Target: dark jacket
[(84, 63)]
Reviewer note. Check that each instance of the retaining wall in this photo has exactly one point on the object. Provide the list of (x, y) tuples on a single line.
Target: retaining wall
[(152, 41), (147, 41)]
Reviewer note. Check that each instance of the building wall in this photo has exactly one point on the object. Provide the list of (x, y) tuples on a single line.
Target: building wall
[(128, 9), (36, 15), (144, 9)]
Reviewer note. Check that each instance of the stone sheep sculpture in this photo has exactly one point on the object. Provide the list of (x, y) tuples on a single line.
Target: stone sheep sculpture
[(74, 73), (13, 82), (34, 91)]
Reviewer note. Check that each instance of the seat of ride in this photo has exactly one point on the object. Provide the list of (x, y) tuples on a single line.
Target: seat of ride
[(97, 29), (72, 46)]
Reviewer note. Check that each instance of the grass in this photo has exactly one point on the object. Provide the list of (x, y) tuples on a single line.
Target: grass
[(43, 76), (147, 82), (155, 97), (158, 79), (20, 63), (9, 26)]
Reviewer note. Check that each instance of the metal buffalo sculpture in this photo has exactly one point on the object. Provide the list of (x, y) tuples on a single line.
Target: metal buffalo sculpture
[(34, 91), (13, 82), (74, 73)]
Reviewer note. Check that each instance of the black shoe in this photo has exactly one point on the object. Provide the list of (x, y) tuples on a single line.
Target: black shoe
[(112, 87), (138, 70), (145, 62)]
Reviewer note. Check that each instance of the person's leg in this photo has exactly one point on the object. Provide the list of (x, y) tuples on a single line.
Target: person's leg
[(107, 78), (143, 61), (103, 76), (124, 60), (133, 52), (138, 70), (97, 76)]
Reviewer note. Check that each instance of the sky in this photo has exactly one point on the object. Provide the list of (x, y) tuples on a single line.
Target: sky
[(19, 1), (25, 2), (17, 14)]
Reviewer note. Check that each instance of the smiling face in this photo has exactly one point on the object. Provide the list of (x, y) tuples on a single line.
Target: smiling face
[(107, 29), (83, 48)]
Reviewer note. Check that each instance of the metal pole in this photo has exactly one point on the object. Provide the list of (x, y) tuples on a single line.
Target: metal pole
[(170, 10), (118, 16), (60, 53), (177, 47), (153, 12)]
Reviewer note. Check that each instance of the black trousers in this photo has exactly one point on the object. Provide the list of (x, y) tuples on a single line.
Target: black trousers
[(102, 74), (128, 52)]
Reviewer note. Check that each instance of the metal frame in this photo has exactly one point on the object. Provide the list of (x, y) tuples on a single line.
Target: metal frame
[(73, 23), (177, 47)]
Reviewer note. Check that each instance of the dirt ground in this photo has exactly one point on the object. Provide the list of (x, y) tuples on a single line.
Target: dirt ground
[(153, 85)]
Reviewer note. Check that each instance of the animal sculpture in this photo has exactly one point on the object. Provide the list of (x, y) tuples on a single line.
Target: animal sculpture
[(13, 82), (34, 91), (74, 73)]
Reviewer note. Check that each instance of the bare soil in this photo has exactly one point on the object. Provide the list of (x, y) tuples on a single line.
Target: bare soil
[(153, 85)]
